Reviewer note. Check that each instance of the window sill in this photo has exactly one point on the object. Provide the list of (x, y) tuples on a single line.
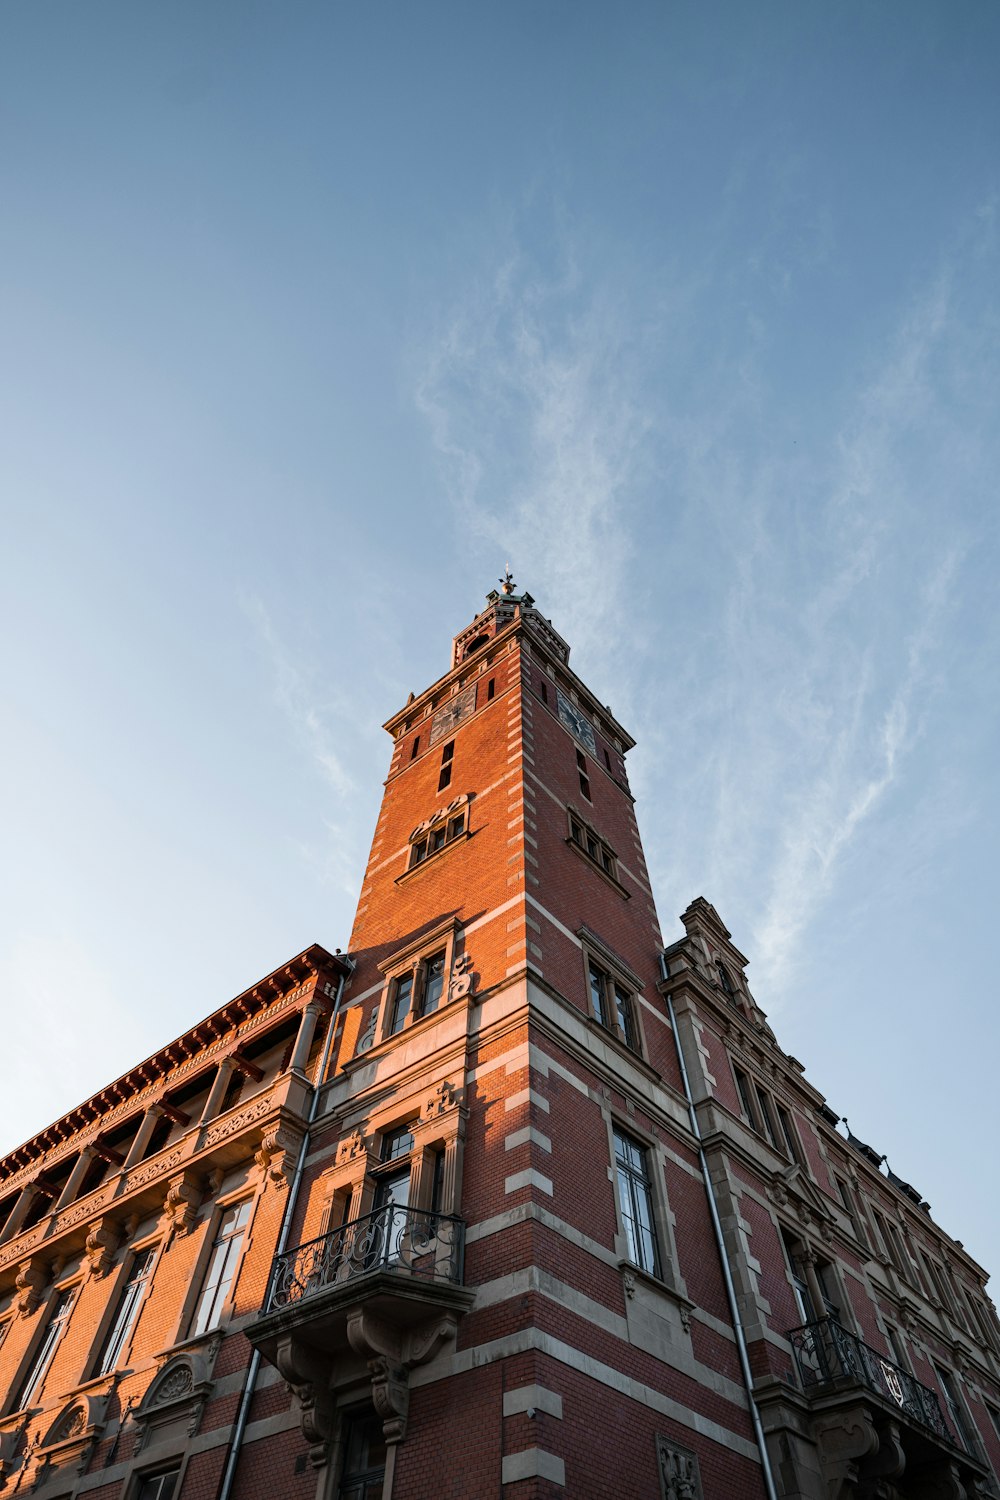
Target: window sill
[(613, 1036), (592, 864), (656, 1283), (380, 1048), (430, 859)]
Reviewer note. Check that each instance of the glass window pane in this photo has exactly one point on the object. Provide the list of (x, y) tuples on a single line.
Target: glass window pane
[(597, 992), (401, 1002), (433, 982), (623, 1009)]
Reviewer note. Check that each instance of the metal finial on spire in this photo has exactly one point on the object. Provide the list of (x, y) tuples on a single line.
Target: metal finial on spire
[(507, 584)]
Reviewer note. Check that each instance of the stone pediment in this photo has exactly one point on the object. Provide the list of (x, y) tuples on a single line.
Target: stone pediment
[(793, 1188), (172, 1406), (67, 1445)]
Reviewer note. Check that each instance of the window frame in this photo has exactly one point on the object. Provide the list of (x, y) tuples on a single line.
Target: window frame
[(125, 1316), (584, 839), (221, 1307), (411, 966), (36, 1367), (646, 1182), (438, 833), (163, 1471), (617, 985)]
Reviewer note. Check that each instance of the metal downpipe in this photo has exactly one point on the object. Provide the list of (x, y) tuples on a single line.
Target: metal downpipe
[(727, 1275), (253, 1369)]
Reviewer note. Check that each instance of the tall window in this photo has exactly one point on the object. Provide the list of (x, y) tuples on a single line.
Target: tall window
[(402, 995), (32, 1382), (363, 1473), (612, 1003), (746, 1102), (847, 1199), (221, 1270), (636, 1200), (954, 1404), (788, 1136), (127, 1311)]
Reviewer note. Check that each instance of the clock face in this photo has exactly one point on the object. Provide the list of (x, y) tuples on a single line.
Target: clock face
[(452, 713), (576, 722)]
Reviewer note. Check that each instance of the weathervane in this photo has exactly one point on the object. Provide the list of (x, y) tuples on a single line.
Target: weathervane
[(507, 584)]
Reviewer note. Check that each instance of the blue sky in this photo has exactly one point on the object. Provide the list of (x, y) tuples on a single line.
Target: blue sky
[(313, 316)]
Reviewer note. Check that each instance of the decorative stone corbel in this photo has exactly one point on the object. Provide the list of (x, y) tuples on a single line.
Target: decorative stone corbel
[(391, 1353), (307, 1375), (181, 1204), (276, 1154), (31, 1281), (845, 1439), (390, 1396), (102, 1246)]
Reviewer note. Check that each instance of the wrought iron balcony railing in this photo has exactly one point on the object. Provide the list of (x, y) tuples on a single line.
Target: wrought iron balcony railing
[(404, 1240), (827, 1355)]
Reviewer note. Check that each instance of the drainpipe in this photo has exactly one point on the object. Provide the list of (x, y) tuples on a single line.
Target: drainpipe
[(727, 1275), (250, 1385)]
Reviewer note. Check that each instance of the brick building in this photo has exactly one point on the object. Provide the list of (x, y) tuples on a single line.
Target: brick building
[(507, 1201)]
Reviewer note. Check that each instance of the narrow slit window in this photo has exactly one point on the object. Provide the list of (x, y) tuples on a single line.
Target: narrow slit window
[(491, 688), (415, 747)]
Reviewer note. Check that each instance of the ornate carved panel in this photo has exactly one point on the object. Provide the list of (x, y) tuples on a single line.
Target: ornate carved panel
[(678, 1469)]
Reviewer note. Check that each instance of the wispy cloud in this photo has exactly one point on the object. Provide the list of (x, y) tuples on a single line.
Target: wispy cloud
[(532, 391), (779, 646), (312, 719)]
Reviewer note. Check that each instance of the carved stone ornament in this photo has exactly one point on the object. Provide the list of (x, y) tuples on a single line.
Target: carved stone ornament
[(102, 1245), (172, 1407), (678, 1467), (392, 1352), (70, 1424), (276, 1154), (31, 1282), (367, 1037), (307, 1375), (351, 1147), (444, 1098), (69, 1441), (181, 1204), (463, 980)]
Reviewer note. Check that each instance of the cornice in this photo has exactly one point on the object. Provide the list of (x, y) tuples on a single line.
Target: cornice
[(209, 1040), (471, 669), (201, 1145)]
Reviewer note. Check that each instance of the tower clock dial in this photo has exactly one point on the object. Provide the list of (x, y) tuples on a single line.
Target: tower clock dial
[(576, 722), (453, 713)]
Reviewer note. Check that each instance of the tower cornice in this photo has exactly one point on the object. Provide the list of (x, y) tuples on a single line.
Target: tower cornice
[(472, 667)]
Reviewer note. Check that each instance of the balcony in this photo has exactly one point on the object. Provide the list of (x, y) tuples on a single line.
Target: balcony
[(394, 1240), (899, 1425), (365, 1302)]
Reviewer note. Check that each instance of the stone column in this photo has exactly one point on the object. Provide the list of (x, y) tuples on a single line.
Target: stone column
[(307, 1031), (79, 1172), (143, 1136), (18, 1213), (217, 1092)]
